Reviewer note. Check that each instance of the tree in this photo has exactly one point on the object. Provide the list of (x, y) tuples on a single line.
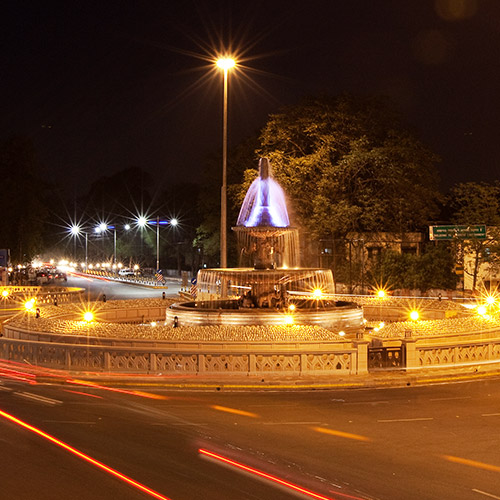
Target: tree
[(23, 201), (242, 161), (474, 203), (348, 166), (432, 269)]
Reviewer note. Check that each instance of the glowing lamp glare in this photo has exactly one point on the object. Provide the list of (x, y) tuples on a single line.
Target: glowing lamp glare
[(88, 316), (29, 304), (226, 63), (414, 315)]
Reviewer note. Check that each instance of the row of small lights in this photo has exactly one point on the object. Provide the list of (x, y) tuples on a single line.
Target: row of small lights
[(102, 227)]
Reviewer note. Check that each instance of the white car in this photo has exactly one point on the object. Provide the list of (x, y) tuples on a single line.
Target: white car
[(126, 272)]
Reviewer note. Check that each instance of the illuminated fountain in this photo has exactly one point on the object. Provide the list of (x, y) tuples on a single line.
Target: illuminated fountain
[(269, 287)]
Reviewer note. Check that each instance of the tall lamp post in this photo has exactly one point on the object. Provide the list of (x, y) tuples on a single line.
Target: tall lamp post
[(76, 230), (158, 222), (225, 63)]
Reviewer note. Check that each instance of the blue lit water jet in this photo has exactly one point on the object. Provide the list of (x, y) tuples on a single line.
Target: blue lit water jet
[(264, 203)]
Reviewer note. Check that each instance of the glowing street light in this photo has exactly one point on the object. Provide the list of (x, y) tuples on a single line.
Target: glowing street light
[(29, 304), (224, 63), (482, 310), (142, 221), (414, 315), (88, 316)]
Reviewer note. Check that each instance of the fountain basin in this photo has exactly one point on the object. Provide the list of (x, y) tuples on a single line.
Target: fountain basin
[(337, 316)]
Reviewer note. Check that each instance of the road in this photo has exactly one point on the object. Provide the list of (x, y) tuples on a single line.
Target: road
[(436, 442), (96, 287)]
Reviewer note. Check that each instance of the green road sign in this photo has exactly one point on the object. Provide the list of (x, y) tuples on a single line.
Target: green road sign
[(477, 232)]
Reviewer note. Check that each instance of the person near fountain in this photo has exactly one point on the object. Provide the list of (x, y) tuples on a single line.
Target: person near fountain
[(247, 300)]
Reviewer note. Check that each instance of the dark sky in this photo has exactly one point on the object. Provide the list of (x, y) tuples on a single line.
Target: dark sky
[(104, 85)]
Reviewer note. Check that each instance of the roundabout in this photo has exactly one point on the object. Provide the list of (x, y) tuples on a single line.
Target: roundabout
[(137, 338)]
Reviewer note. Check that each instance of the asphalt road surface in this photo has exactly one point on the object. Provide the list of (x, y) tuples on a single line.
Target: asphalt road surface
[(96, 287), (417, 443)]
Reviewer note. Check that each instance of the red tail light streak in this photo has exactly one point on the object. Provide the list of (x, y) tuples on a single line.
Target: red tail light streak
[(87, 458), (270, 477)]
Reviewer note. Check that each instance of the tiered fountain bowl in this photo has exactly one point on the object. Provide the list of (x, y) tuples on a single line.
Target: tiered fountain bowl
[(270, 287)]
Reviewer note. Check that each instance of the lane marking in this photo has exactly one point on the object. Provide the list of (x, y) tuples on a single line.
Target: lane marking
[(290, 423), (38, 398), (69, 422), (485, 494), (471, 463), (366, 402), (270, 477), (235, 411), (348, 435), (490, 415), (406, 419), (81, 455), (451, 398)]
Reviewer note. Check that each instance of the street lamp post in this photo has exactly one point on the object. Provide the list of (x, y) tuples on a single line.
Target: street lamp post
[(114, 246), (157, 243), (158, 222), (225, 64)]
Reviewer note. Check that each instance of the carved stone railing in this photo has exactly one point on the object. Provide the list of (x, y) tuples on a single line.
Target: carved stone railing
[(190, 358), (44, 295), (455, 353), (63, 347)]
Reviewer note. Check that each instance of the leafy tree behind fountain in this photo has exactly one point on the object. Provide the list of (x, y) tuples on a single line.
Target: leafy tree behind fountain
[(349, 166)]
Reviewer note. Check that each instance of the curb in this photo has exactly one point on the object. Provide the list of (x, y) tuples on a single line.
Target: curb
[(273, 383)]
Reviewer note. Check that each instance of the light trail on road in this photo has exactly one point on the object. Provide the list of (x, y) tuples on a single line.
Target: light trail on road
[(270, 477), (93, 385), (348, 435), (471, 463), (83, 456), (234, 411)]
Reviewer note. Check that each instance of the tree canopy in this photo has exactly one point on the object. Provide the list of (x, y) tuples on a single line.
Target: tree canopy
[(23, 201), (348, 165)]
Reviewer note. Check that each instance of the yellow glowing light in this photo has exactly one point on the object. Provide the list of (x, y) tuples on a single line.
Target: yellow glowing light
[(381, 324), (153, 323), (288, 320), (29, 304), (380, 294), (342, 333), (88, 316), (414, 315), (481, 310), (226, 63), (291, 307), (317, 292), (490, 300), (5, 293)]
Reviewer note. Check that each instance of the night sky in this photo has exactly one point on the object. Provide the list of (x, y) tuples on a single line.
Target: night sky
[(105, 85)]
